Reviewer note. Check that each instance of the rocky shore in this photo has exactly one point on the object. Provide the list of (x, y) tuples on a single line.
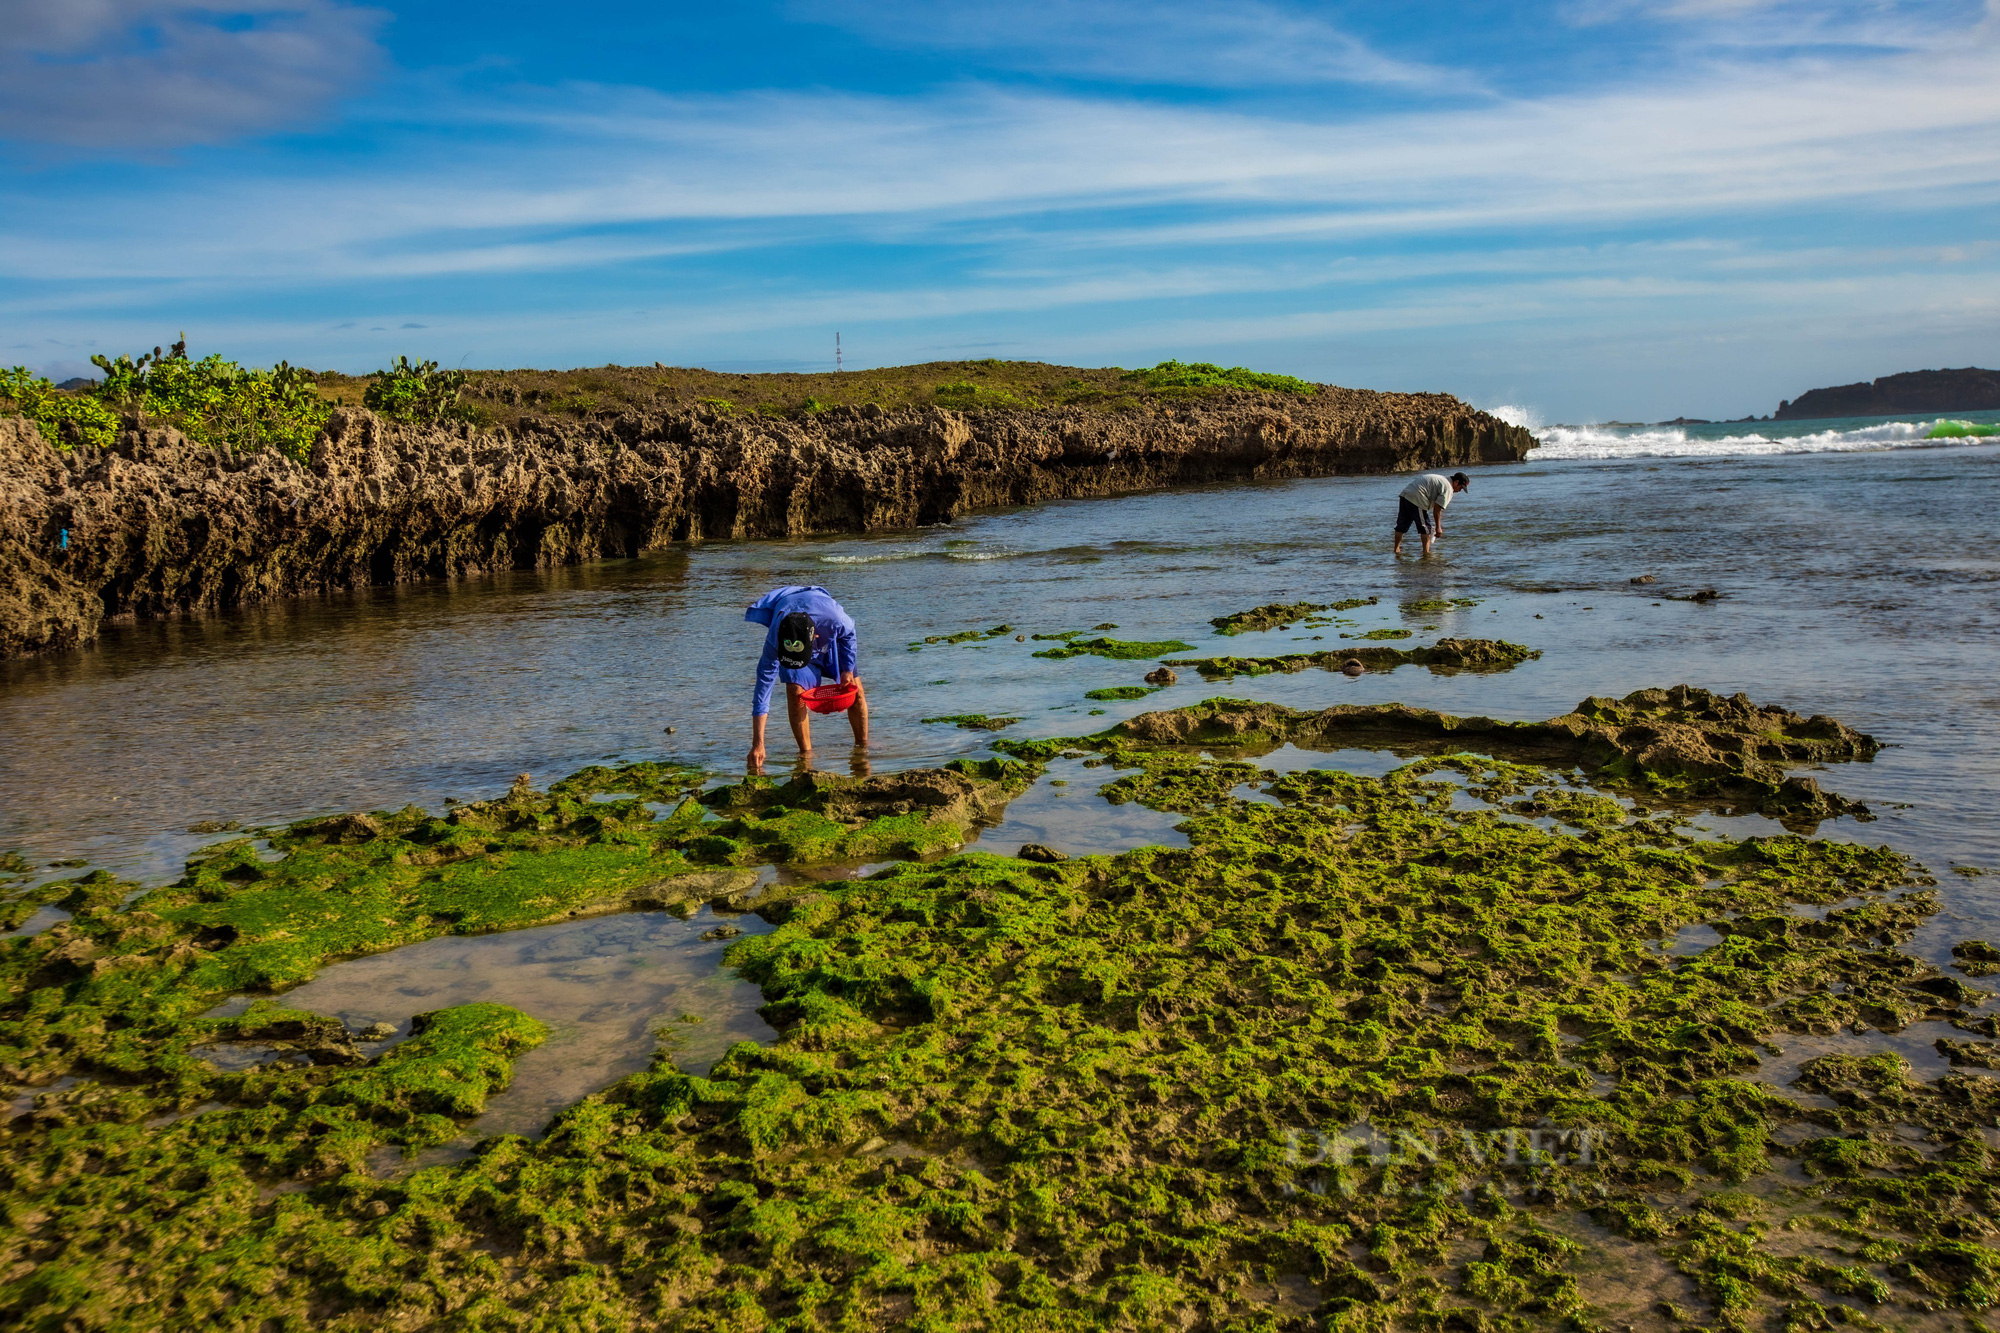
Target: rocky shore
[(158, 526)]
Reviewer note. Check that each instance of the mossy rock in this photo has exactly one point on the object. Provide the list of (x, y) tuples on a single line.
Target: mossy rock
[(1389, 1039)]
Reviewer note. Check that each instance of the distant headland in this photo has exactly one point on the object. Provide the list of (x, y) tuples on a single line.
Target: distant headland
[(1967, 390)]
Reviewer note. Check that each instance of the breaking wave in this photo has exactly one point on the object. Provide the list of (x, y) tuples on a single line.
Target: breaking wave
[(1560, 442)]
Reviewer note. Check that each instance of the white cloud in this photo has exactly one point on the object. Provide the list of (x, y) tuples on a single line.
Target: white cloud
[(598, 176), (151, 74), (1896, 25), (1242, 44)]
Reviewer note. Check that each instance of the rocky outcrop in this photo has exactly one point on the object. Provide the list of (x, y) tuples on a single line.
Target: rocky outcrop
[(1967, 390), (158, 525)]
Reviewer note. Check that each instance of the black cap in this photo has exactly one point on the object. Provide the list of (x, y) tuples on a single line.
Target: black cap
[(795, 640), (1463, 482)]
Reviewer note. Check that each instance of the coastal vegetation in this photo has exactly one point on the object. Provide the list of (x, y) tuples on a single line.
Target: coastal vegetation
[(217, 401), (1412, 1051)]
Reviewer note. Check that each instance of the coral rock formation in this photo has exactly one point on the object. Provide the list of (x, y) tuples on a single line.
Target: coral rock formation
[(157, 525)]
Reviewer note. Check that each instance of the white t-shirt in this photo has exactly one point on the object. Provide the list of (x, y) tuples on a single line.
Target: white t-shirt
[(1433, 488)]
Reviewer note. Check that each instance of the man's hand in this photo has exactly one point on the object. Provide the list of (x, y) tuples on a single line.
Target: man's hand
[(756, 756)]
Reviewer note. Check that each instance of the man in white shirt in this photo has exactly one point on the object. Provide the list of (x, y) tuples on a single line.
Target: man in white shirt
[(1423, 502)]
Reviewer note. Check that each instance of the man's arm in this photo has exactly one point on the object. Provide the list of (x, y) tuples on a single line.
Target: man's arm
[(1437, 520), (846, 651), (760, 700)]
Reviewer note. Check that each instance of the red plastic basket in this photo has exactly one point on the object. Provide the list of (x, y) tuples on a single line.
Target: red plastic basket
[(830, 698)]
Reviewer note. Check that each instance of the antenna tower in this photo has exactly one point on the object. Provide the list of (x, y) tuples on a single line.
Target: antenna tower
[(836, 352)]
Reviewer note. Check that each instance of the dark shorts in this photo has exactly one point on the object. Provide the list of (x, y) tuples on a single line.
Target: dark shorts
[(1407, 513)]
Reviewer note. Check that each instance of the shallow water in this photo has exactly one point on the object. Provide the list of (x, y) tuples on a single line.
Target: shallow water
[(1861, 584), (610, 988)]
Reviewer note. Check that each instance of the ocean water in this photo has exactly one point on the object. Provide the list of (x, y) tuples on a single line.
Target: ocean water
[(1859, 575)]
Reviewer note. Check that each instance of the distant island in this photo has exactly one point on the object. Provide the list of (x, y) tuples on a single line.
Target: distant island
[(1967, 390)]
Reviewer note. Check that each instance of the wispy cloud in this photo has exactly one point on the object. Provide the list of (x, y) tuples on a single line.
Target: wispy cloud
[(1196, 43), (151, 74), (1883, 25)]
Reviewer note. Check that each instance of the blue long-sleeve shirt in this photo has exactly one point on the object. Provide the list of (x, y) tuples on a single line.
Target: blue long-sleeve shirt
[(834, 645)]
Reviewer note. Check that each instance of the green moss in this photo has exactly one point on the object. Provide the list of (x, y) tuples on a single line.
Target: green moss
[(1120, 692), (1121, 649), (1386, 1039), (975, 721), (1380, 634), (965, 636), (1276, 615), (1444, 657)]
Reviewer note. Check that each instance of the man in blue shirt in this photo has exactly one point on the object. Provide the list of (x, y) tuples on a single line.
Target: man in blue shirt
[(809, 640)]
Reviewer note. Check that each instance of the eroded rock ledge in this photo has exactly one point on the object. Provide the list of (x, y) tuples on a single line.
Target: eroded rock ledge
[(158, 526)]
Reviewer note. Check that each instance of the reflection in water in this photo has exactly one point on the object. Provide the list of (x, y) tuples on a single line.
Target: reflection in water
[(611, 989), (1064, 811)]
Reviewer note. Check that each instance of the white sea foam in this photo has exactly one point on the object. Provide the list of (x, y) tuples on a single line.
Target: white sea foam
[(1515, 415), (1675, 442), (953, 551), (874, 557)]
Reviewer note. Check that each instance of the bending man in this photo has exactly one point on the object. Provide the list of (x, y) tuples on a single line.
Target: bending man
[(809, 641), (1422, 503)]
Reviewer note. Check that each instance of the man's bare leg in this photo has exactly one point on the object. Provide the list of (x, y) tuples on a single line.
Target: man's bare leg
[(857, 715), (801, 716)]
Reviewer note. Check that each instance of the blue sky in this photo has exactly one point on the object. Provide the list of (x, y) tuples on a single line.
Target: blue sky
[(1591, 208)]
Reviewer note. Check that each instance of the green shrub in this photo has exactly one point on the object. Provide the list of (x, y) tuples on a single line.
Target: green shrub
[(964, 396), (1207, 375), (419, 393), (65, 420), (218, 402)]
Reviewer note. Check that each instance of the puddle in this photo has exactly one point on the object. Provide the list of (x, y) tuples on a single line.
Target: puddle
[(1291, 759), (1916, 1043), (1694, 938), (611, 989), (25, 1101), (1063, 810), (42, 918), (160, 1121), (233, 1056)]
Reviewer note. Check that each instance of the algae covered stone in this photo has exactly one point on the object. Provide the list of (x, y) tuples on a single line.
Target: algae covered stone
[(1443, 657), (1409, 1043)]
